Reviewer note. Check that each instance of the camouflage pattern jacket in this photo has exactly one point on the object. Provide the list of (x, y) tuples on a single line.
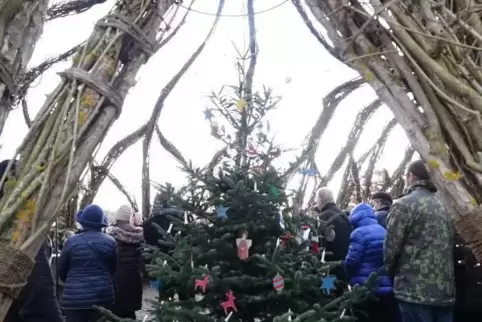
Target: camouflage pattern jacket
[(418, 248)]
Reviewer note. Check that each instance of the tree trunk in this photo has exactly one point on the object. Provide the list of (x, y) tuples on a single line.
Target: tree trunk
[(434, 89), (68, 129), (21, 24)]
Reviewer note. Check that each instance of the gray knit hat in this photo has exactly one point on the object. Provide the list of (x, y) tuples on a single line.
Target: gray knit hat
[(124, 213)]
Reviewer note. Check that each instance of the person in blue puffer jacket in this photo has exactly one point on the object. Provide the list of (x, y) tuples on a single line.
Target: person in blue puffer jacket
[(86, 266), (365, 256)]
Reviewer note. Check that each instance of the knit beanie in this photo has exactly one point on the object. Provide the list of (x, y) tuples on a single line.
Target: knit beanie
[(136, 219), (418, 169), (124, 213)]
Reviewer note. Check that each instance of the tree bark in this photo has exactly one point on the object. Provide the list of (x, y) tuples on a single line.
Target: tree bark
[(68, 129), (434, 89), (21, 24)]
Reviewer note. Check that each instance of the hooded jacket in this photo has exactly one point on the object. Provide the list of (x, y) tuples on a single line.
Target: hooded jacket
[(365, 254), (127, 277), (419, 248)]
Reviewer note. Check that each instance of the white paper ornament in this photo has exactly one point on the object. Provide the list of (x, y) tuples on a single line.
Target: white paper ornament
[(198, 297)]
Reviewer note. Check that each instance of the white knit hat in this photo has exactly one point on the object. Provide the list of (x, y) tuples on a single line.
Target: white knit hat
[(124, 213)]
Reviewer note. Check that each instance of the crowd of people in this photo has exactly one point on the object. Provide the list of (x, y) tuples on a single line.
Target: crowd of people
[(425, 272)]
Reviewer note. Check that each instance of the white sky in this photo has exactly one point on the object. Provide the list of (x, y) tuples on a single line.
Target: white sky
[(287, 50)]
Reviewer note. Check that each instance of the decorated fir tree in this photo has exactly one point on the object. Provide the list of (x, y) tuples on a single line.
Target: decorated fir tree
[(243, 257)]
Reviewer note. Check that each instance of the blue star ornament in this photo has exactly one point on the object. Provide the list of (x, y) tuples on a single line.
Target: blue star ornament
[(328, 284), (221, 212), (208, 115), (156, 285)]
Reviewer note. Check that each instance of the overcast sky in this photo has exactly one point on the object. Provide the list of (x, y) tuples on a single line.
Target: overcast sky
[(290, 61)]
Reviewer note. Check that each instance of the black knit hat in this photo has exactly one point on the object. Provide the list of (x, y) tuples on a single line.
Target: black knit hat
[(418, 169), (383, 195)]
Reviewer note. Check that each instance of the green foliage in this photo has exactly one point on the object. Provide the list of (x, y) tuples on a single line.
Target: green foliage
[(253, 191)]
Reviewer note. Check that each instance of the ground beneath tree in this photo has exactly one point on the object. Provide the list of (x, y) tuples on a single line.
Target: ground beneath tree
[(148, 295)]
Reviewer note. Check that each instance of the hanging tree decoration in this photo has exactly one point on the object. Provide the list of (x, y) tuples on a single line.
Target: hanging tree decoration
[(244, 245), (328, 284), (241, 104), (221, 212), (278, 282), (229, 303), (202, 283)]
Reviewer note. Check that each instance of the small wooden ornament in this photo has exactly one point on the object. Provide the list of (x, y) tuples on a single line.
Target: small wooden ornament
[(229, 303), (278, 282), (202, 284), (244, 245)]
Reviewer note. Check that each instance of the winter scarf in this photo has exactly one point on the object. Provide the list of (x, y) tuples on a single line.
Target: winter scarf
[(125, 232)]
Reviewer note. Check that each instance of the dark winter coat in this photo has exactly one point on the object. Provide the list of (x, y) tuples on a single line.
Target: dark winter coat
[(468, 280), (151, 234), (86, 265), (342, 229), (127, 277), (37, 301), (418, 248), (382, 215), (365, 255)]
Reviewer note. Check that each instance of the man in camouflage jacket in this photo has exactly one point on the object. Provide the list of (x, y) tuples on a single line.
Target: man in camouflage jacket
[(418, 251)]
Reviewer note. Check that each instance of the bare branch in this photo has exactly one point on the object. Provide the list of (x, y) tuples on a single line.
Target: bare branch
[(396, 179), (157, 111), (362, 118), (122, 189), (166, 144), (71, 7), (333, 51), (349, 183), (99, 172), (330, 103), (375, 155)]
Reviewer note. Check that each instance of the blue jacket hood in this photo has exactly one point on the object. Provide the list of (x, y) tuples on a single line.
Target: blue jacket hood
[(362, 215)]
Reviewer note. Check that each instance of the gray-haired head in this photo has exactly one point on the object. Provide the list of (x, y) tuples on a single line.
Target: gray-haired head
[(323, 196)]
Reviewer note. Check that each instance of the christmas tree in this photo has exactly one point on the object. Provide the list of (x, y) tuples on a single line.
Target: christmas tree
[(243, 257)]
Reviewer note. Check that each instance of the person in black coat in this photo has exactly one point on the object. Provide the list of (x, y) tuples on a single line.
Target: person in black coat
[(468, 282), (335, 228), (127, 277), (37, 301), (160, 211)]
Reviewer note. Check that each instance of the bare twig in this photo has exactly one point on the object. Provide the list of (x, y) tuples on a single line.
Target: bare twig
[(157, 111), (71, 7)]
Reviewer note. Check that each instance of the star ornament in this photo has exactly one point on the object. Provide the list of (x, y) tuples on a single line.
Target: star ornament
[(208, 115), (328, 284), (221, 212)]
